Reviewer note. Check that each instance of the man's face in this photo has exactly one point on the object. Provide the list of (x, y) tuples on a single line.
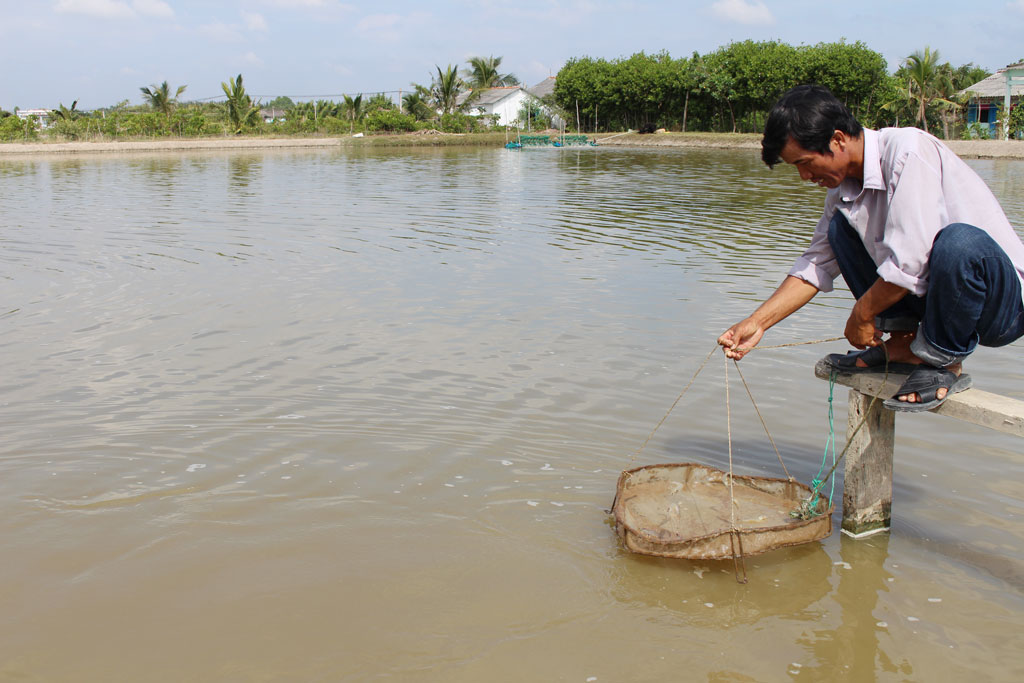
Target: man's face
[(826, 170)]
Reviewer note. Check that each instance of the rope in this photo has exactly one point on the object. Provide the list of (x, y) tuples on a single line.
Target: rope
[(664, 417), (785, 346), (737, 560), (829, 442), (808, 508), (672, 407), (763, 423)]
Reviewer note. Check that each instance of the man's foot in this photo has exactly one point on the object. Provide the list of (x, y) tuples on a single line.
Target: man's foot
[(940, 392), (898, 350), (927, 387), (893, 355)]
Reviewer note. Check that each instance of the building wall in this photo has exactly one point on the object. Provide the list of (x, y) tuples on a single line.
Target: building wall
[(986, 112)]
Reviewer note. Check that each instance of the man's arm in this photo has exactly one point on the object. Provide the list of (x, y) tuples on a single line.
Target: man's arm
[(860, 327), (791, 295)]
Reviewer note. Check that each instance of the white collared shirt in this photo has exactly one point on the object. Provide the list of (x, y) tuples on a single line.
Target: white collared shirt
[(913, 187)]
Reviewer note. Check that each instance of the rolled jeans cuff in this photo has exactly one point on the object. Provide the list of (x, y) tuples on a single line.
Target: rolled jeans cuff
[(931, 355)]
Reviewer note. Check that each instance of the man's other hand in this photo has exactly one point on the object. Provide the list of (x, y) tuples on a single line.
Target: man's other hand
[(741, 338)]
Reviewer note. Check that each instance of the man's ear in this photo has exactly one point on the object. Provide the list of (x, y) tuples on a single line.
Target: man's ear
[(840, 139)]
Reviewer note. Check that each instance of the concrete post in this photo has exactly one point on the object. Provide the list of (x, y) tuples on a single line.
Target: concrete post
[(867, 486)]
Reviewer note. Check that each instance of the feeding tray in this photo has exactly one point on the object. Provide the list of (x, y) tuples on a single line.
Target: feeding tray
[(682, 510)]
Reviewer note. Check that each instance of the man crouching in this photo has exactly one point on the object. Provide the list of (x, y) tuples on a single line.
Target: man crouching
[(918, 237)]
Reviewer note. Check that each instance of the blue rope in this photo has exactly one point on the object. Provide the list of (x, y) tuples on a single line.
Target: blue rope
[(830, 444)]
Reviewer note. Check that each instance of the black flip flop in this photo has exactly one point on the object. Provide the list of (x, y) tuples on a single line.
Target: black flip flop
[(925, 381), (873, 356)]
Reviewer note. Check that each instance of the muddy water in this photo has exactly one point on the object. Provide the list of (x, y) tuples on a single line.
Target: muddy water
[(357, 416)]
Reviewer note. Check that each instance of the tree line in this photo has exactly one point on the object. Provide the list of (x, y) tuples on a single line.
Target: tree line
[(445, 104), (728, 90), (733, 88)]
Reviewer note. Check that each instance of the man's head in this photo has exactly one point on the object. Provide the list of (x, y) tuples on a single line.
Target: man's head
[(810, 115)]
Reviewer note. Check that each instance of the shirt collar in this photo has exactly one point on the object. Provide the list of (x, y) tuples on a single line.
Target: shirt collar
[(872, 161), (851, 188)]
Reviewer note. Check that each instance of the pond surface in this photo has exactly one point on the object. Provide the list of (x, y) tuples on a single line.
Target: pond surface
[(357, 415)]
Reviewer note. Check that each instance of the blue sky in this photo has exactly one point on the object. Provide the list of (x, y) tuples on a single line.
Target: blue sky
[(100, 52)]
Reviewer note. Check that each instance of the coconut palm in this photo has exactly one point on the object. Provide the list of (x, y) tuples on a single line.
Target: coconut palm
[(240, 108), (414, 104), (483, 73), (443, 93), (354, 110), (928, 82), (379, 101), (159, 97)]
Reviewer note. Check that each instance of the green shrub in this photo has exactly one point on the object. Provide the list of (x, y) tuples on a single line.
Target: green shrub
[(67, 128), (1017, 120), (13, 129), (335, 126), (459, 123), (389, 120)]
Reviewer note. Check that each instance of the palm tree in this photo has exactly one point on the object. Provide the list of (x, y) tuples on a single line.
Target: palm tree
[(928, 82), (354, 110), (484, 73), (241, 110), (63, 113), (444, 91), (414, 104), (159, 97)]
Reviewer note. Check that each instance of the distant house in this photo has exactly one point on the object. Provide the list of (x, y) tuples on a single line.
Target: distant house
[(272, 114), (502, 103), (43, 115), (988, 94)]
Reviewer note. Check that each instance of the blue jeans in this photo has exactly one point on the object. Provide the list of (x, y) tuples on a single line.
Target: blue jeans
[(973, 297)]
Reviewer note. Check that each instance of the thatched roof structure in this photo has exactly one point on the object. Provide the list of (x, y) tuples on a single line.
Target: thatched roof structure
[(995, 85)]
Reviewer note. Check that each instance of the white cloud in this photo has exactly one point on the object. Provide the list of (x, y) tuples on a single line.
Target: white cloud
[(153, 8), (744, 11), (391, 27), (289, 4), (378, 22), (115, 8), (130, 71), (221, 32), (250, 59), (253, 21), (95, 8), (1017, 5)]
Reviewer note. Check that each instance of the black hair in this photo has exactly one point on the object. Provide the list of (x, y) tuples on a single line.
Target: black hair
[(810, 114)]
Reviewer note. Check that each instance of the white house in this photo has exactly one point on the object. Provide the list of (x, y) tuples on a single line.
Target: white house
[(43, 115), (503, 103)]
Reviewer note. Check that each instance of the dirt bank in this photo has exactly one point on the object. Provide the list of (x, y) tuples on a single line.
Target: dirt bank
[(971, 149)]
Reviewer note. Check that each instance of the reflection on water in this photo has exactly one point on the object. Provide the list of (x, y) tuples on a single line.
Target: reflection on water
[(352, 414)]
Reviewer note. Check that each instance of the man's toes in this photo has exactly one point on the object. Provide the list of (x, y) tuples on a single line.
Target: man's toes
[(941, 392)]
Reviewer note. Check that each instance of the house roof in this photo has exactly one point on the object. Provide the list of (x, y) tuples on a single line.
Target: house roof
[(490, 96), (995, 85), (544, 88)]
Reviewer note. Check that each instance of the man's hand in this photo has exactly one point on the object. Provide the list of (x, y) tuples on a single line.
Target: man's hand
[(741, 338), (744, 335), (860, 328)]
